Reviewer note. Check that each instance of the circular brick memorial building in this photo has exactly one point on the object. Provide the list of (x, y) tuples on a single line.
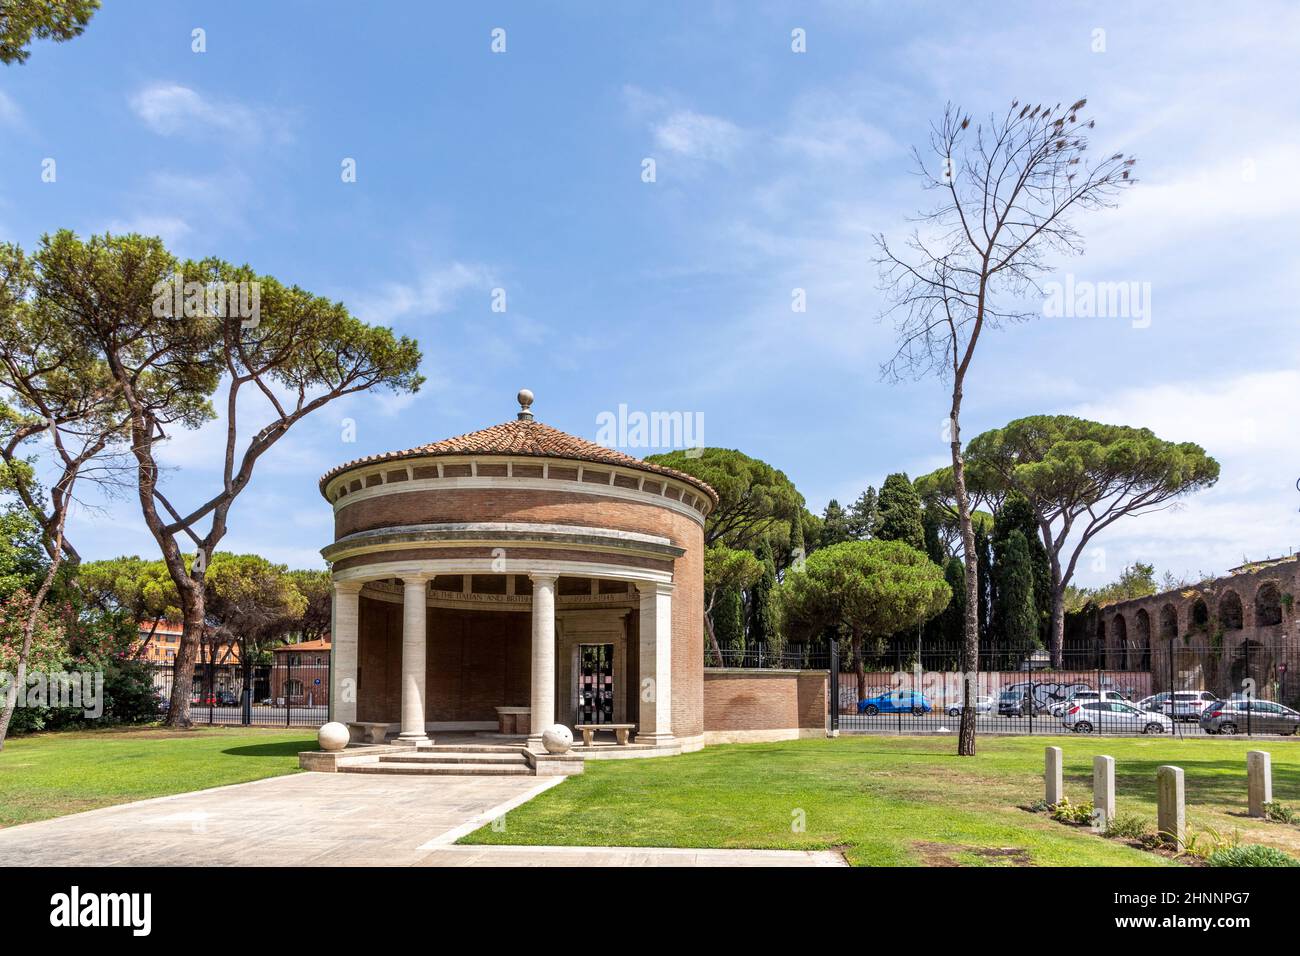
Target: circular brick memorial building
[(515, 578)]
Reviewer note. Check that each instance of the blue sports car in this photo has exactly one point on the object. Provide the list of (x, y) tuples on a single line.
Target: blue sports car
[(896, 702)]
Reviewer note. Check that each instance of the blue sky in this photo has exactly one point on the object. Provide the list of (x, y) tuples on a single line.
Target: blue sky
[(522, 171)]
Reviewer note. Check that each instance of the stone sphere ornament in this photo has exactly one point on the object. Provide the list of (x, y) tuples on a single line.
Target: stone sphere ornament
[(557, 739), (333, 736)]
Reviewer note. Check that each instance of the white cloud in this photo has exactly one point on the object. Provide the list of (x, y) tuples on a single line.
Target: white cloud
[(10, 112), (170, 109), (434, 291), (170, 229), (699, 136)]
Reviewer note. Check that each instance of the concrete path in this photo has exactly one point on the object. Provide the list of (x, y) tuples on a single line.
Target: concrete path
[(329, 819)]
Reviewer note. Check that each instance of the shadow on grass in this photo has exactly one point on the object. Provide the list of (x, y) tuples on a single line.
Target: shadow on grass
[(283, 748)]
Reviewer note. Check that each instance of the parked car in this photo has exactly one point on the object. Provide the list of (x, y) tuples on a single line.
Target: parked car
[(1239, 714), (1018, 703), (1189, 704), (1113, 716), (896, 702), (226, 698), (983, 705), (1156, 702), (1079, 697)]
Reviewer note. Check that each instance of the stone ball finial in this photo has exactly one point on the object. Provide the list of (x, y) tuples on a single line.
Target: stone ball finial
[(557, 739), (333, 736), (525, 398)]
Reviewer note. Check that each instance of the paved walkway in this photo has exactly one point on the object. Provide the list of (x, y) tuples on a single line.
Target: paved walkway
[(328, 819)]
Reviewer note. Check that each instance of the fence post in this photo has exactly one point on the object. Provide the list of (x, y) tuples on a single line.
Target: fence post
[(211, 692), (1259, 781), (1052, 777), (835, 688), (288, 686), (1171, 813), (1103, 791)]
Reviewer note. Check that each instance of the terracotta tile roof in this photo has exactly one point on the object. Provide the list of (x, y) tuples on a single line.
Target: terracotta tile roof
[(320, 644), (528, 439)]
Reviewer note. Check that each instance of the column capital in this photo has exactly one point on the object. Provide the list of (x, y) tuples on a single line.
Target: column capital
[(646, 588), (542, 577), (416, 579), (348, 587)]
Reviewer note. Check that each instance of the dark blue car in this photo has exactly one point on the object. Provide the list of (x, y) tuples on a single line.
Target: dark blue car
[(896, 702)]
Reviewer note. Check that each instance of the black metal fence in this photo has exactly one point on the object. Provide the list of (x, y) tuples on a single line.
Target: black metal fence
[(1193, 686), (289, 693)]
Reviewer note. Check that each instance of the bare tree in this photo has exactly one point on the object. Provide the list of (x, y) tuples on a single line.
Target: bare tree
[(1008, 191)]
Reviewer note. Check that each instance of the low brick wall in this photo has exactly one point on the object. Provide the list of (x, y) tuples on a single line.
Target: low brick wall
[(745, 705)]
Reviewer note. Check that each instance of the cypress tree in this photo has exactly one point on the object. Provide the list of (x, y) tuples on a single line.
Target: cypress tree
[(762, 613), (729, 620), (952, 622), (1016, 513), (835, 525), (863, 515), (898, 512), (1016, 614), (984, 562)]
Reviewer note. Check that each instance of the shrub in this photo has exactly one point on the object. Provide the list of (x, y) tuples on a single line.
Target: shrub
[(1076, 814), (1204, 843), (1279, 813), (1129, 827), (1251, 854)]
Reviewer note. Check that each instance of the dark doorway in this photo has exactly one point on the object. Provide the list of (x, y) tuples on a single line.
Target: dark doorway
[(596, 683)]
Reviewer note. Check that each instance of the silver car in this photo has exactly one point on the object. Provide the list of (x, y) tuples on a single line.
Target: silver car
[(1240, 715), (1113, 717), (1189, 704), (983, 705)]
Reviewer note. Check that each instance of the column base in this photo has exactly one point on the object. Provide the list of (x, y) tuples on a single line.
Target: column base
[(534, 743), (413, 740), (655, 740)]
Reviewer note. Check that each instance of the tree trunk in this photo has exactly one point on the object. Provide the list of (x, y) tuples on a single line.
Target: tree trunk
[(193, 615), (1058, 626), (971, 641), (859, 668), (713, 640)]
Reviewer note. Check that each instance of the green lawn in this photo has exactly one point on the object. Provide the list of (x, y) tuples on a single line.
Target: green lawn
[(896, 800), (48, 775)]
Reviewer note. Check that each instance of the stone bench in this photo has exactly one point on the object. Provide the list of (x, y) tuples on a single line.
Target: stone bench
[(621, 732), (514, 720), (369, 731)]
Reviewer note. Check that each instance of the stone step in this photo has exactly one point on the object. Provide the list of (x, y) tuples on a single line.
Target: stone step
[(453, 756), (448, 769), (471, 749)]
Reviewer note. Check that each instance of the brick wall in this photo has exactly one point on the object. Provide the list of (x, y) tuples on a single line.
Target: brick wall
[(749, 705)]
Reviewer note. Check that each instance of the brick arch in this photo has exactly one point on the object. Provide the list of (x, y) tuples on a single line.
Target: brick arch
[(1198, 616), (1231, 615), (1140, 643), (1268, 604), (1168, 621), (1118, 648)]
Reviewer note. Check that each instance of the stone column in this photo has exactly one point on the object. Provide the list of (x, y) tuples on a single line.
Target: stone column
[(654, 725), (415, 594), (1259, 780), (542, 705), (1103, 791), (1053, 786), (1171, 815), (345, 618)]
